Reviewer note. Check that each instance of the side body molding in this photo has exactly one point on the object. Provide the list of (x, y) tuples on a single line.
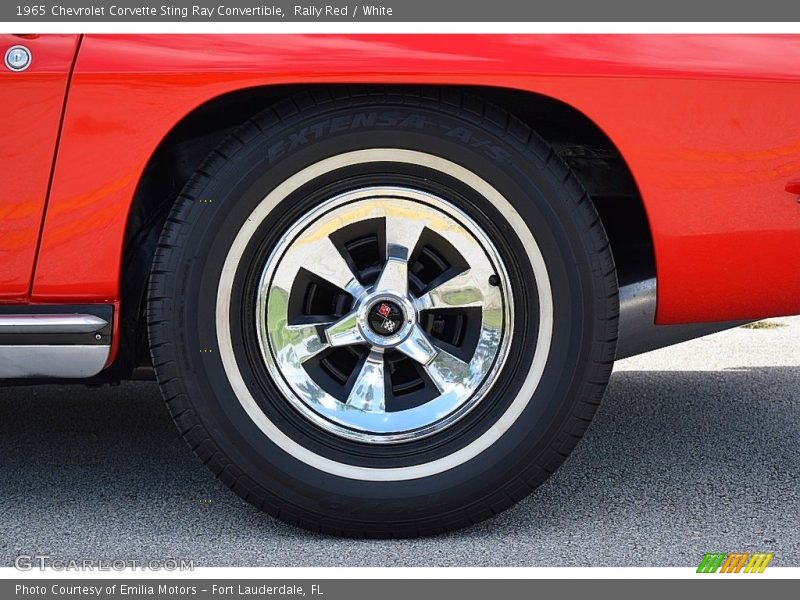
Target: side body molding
[(54, 341)]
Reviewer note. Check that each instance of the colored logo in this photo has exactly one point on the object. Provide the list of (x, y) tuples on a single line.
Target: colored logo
[(735, 562), (385, 317)]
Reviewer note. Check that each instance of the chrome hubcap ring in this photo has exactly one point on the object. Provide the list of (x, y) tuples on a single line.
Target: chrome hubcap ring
[(386, 316)]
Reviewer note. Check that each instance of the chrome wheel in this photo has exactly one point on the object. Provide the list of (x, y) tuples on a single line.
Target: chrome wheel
[(384, 315)]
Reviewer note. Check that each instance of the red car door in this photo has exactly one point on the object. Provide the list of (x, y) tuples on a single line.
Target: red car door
[(32, 97)]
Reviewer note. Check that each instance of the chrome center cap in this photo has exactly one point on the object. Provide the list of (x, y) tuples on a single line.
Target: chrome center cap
[(386, 320)]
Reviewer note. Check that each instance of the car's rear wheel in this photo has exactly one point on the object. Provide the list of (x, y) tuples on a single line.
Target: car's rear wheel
[(383, 314)]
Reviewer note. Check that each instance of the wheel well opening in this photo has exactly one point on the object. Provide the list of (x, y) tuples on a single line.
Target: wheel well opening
[(580, 142)]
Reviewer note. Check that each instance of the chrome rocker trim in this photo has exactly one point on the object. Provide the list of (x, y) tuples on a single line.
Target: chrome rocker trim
[(19, 362), (48, 344), (36, 323)]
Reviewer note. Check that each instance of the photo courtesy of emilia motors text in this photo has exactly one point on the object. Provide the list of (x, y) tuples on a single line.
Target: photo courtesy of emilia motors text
[(348, 300)]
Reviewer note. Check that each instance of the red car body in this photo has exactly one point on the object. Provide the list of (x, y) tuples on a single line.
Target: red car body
[(708, 125)]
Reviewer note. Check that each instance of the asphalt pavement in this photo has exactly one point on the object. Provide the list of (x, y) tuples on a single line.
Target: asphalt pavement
[(695, 449)]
